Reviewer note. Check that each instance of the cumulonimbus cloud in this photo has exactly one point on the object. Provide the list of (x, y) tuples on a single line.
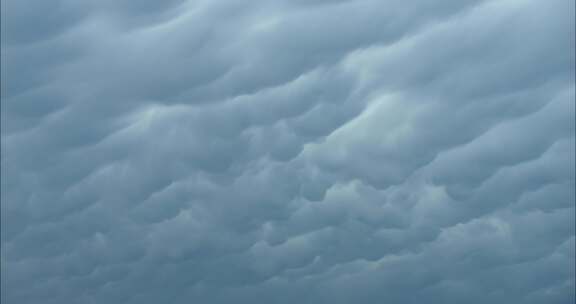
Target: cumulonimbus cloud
[(361, 151)]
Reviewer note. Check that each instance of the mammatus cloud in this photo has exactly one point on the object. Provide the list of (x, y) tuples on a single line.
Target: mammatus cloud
[(360, 151)]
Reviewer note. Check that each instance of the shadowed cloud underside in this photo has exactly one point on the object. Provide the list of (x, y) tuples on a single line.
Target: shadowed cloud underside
[(288, 151)]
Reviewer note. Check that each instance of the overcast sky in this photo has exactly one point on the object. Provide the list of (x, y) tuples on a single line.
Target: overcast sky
[(288, 152)]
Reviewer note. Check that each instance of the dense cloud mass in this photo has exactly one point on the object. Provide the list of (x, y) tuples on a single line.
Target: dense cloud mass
[(288, 151)]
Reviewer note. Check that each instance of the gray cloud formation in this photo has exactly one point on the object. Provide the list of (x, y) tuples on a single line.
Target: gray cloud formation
[(360, 151)]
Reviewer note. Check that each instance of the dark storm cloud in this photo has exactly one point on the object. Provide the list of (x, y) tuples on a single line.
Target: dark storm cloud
[(233, 151)]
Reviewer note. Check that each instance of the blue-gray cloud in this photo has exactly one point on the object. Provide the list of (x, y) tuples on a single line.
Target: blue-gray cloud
[(360, 151)]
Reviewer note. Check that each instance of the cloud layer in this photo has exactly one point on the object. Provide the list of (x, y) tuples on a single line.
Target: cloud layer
[(230, 151)]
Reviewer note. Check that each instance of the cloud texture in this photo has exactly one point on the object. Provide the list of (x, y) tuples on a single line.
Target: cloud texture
[(288, 151)]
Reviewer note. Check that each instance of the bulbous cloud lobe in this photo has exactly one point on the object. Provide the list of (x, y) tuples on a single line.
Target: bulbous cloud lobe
[(228, 151)]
